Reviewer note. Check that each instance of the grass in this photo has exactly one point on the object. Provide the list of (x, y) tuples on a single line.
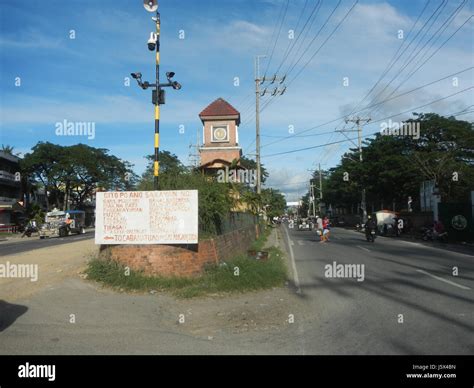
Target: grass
[(252, 275), (7, 234)]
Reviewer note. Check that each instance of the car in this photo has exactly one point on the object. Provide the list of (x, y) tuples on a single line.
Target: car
[(304, 224)]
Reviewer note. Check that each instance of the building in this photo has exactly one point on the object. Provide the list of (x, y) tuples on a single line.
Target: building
[(220, 133), (10, 187)]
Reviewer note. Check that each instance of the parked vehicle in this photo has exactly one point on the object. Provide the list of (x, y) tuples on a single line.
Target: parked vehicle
[(304, 224), (428, 234), (62, 223)]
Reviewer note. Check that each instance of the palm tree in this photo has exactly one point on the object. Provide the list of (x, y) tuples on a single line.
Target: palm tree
[(8, 149)]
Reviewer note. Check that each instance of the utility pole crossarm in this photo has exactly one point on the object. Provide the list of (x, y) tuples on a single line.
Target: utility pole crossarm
[(276, 91)]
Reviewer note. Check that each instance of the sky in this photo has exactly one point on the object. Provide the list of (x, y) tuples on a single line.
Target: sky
[(72, 61)]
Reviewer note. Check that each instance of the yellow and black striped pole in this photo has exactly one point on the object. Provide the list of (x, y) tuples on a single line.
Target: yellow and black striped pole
[(156, 164)]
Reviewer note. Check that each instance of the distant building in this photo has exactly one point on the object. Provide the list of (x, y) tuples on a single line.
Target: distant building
[(10, 187), (220, 136)]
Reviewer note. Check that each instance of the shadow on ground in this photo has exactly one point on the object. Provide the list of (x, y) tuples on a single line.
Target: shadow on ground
[(9, 313)]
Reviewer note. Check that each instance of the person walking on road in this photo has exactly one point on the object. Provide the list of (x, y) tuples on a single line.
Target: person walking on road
[(326, 232), (319, 227)]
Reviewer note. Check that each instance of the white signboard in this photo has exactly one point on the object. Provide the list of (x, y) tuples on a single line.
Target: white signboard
[(147, 217)]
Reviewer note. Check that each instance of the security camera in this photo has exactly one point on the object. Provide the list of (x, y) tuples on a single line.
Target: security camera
[(170, 74), (176, 85), (152, 41), (136, 75)]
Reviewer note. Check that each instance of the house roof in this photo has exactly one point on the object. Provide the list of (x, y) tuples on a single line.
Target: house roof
[(219, 107)]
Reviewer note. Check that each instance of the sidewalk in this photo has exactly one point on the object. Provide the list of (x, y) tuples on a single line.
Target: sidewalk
[(10, 237)]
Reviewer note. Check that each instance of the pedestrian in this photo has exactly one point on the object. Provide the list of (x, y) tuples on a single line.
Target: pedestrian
[(319, 226), (326, 232)]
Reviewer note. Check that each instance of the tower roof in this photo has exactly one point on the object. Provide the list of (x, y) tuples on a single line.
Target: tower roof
[(220, 108)]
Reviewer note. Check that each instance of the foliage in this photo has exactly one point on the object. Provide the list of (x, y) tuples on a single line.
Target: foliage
[(253, 275), (394, 167), (215, 203), (73, 173)]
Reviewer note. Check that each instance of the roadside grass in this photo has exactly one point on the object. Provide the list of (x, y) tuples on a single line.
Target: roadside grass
[(240, 274), (7, 234)]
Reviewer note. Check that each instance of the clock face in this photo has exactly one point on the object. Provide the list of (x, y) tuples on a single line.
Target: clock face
[(220, 133)]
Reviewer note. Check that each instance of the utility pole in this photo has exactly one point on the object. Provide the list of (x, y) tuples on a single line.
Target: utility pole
[(257, 119), (158, 94), (358, 120), (320, 188), (259, 94), (193, 158)]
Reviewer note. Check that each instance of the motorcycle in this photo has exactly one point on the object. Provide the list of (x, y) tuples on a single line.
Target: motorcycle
[(370, 235), (429, 235), (29, 230)]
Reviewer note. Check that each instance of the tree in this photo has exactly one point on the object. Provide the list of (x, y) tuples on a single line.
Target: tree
[(250, 164), (274, 202), (215, 201), (445, 153), (393, 167), (170, 168), (9, 150), (72, 174)]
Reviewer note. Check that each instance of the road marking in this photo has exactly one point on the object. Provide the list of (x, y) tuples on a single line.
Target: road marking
[(365, 249), (443, 280), (293, 264), (300, 242)]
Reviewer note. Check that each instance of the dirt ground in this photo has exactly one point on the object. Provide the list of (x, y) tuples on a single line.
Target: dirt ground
[(268, 311)]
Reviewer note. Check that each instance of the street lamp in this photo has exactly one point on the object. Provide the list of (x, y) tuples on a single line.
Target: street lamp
[(158, 94)]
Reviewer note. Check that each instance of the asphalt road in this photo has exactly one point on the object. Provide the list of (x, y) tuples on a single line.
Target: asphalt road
[(409, 302), (26, 244)]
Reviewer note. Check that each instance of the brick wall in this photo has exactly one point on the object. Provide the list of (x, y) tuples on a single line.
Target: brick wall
[(181, 260)]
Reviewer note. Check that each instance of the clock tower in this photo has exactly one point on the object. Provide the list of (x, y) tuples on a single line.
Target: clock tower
[(220, 135)]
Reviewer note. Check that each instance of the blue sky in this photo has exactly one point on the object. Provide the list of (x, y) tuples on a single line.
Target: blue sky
[(84, 79)]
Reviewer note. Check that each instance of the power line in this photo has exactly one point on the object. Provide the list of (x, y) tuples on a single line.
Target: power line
[(373, 105), (312, 18), (315, 134), (392, 61), (277, 37), (373, 134), (410, 59), (319, 48), (294, 64), (427, 59), (388, 67)]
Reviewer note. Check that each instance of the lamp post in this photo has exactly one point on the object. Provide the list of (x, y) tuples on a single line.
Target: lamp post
[(158, 94)]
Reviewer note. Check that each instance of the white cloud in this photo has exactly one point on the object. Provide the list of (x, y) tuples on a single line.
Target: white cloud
[(102, 109)]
